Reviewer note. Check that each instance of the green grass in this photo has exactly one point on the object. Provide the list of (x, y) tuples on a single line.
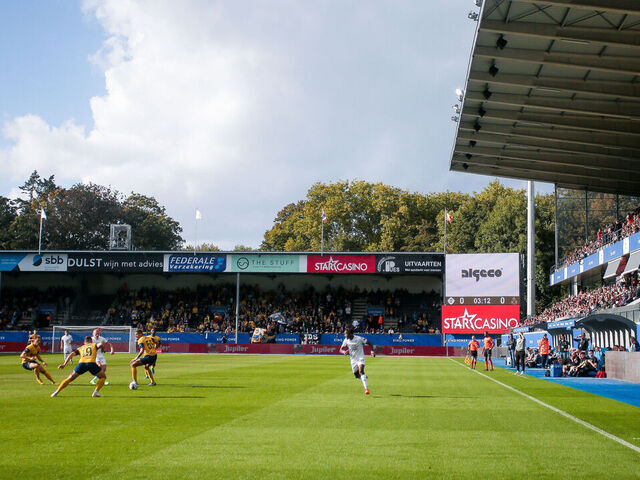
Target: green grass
[(263, 417)]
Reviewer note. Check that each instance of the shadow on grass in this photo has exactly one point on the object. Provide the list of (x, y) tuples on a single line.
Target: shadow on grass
[(154, 396), (424, 396)]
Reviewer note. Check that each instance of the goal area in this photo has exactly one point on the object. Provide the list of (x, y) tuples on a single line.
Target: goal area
[(121, 337)]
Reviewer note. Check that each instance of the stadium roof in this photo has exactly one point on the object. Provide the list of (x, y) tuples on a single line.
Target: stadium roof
[(553, 94)]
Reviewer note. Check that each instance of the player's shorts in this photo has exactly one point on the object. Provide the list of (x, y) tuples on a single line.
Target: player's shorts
[(474, 353), (67, 352), (101, 359), (355, 362), (87, 367), (149, 360), (26, 365), (487, 353)]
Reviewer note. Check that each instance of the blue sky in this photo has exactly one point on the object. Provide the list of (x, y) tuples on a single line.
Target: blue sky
[(44, 52), (234, 108)]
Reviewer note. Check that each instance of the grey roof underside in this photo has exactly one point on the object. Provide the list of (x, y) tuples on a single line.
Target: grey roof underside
[(553, 94)]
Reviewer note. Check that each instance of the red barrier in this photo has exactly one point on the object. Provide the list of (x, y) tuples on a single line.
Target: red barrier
[(409, 351), (184, 348), (12, 347), (273, 348)]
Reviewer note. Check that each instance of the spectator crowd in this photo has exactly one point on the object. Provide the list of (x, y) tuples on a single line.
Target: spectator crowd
[(606, 235), (212, 309), (617, 295)]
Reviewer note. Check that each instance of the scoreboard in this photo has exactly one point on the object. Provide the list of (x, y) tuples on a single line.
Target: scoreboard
[(482, 293)]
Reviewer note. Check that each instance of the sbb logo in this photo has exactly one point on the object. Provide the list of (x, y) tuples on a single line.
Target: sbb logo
[(48, 260), (476, 273)]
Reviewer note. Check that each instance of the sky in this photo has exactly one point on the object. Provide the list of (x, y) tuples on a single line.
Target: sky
[(234, 108)]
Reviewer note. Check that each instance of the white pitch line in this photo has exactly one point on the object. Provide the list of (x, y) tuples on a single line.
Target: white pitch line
[(561, 412)]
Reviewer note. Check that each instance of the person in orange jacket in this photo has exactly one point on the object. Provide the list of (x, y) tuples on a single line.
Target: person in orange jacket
[(487, 349), (543, 346), (473, 351)]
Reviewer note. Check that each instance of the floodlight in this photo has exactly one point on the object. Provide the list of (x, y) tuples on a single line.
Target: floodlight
[(473, 16), (456, 108), (493, 70), (459, 94), (477, 3), (455, 118), (501, 42)]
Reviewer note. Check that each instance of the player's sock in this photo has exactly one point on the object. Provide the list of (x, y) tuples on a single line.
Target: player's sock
[(153, 380), (134, 374), (37, 374), (363, 377), (48, 375), (94, 380), (63, 384), (100, 383), (491, 363)]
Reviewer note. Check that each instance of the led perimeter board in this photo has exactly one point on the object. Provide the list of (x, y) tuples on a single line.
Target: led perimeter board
[(482, 293)]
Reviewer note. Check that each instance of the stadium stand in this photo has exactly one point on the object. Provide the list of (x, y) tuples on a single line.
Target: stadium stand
[(211, 309), (585, 302), (605, 235), (33, 308)]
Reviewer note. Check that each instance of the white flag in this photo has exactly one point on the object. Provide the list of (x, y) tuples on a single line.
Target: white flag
[(43, 214), (198, 215)]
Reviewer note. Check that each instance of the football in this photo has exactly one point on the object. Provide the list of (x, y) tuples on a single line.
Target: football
[(133, 386)]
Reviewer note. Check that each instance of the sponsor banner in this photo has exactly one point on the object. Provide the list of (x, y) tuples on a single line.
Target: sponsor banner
[(288, 338), (14, 337), (591, 261), (310, 338), (561, 324), (634, 242), (375, 311), (422, 340), (483, 275), (115, 262), (251, 348), (411, 351), (47, 262), (318, 349), (10, 261), (330, 263), (573, 270), (200, 262), (524, 329), (614, 251), (478, 319), (265, 263), (182, 338), (12, 347), (427, 263), (216, 337), (184, 348), (558, 276)]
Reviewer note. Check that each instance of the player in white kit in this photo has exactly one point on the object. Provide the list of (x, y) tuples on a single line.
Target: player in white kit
[(353, 345), (100, 358), (66, 345)]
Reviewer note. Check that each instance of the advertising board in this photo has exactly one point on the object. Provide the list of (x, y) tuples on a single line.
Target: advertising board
[(330, 263), (115, 262), (424, 263), (265, 263), (478, 319), (198, 262)]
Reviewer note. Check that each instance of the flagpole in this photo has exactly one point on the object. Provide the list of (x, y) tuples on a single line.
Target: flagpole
[(195, 243), (40, 236), (445, 230), (322, 238)]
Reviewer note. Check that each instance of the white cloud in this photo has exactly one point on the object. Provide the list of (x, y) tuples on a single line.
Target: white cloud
[(238, 107)]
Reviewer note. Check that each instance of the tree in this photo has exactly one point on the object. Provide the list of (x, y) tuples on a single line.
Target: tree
[(7, 217), (79, 217), (152, 228)]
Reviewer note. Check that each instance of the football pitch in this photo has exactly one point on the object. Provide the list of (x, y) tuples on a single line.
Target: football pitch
[(306, 417)]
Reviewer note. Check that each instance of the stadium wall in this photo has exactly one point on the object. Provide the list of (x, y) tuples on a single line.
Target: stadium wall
[(394, 345)]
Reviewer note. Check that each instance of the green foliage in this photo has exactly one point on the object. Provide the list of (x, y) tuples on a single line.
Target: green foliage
[(376, 217), (78, 218)]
